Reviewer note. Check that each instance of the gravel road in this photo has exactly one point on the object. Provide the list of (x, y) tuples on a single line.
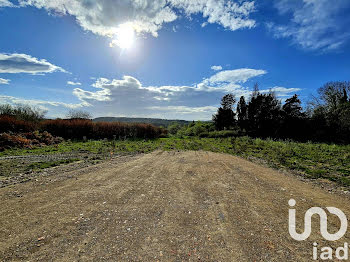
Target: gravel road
[(163, 206)]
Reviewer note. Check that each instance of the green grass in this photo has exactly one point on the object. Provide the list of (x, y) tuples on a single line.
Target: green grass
[(48, 164), (314, 160)]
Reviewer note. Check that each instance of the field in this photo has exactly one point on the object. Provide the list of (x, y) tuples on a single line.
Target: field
[(312, 160)]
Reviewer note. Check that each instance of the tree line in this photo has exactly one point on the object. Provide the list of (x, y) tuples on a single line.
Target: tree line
[(326, 119)]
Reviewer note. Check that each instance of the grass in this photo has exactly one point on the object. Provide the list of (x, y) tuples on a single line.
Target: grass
[(314, 160), (46, 164)]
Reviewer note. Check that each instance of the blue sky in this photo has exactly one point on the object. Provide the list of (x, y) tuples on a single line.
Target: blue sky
[(170, 59)]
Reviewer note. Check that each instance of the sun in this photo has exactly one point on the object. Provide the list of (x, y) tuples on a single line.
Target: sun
[(125, 37)]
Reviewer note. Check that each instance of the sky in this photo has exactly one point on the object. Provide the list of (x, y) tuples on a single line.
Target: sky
[(170, 59)]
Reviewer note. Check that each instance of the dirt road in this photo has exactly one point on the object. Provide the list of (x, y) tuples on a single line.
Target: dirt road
[(164, 206)]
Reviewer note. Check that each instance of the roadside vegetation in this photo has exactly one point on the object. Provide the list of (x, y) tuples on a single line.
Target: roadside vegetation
[(313, 160)]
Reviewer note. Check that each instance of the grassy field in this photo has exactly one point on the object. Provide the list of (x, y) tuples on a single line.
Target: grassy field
[(313, 160)]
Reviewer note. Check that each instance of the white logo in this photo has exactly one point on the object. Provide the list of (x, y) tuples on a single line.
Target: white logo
[(323, 222)]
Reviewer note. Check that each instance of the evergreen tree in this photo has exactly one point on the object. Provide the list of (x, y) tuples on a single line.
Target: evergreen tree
[(292, 107), (294, 120), (264, 115), (242, 113), (225, 117)]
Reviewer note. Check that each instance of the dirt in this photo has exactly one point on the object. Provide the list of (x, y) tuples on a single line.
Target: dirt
[(163, 206), (18, 169)]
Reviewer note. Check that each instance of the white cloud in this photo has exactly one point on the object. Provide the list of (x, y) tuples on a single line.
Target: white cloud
[(104, 17), (128, 91), (71, 83), (131, 88), (232, 15), (40, 103), (6, 3), (4, 81), (22, 63), (147, 16), (229, 80), (183, 112), (216, 68), (315, 24), (127, 96), (234, 76), (281, 91), (186, 109)]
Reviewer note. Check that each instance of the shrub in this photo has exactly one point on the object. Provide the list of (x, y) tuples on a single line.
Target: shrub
[(195, 129), (27, 140), (11, 124), (123, 130), (9, 141), (223, 134), (69, 129), (78, 128), (44, 138)]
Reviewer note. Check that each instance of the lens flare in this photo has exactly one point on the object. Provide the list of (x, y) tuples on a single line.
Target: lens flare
[(125, 36)]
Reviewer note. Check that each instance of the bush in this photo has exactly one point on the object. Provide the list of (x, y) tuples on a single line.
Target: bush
[(9, 141), (123, 130), (68, 129), (11, 124), (44, 138), (27, 140), (78, 128), (222, 134), (196, 129)]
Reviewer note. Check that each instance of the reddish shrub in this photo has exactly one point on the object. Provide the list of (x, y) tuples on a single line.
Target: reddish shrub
[(9, 141), (27, 140), (11, 124), (78, 128), (72, 129), (44, 138)]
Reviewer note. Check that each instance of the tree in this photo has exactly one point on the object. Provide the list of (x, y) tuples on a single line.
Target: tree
[(78, 114), (228, 101), (174, 128), (294, 124), (292, 107), (225, 117), (255, 92), (264, 115), (332, 108), (23, 112), (242, 113), (333, 94)]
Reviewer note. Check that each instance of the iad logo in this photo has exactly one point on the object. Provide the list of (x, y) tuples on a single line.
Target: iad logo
[(323, 222), (327, 252)]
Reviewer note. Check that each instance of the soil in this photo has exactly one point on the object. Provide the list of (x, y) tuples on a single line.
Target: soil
[(163, 206)]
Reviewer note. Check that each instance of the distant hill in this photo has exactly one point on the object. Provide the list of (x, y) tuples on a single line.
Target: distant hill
[(153, 121)]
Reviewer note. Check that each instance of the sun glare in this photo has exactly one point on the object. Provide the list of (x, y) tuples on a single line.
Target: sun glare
[(125, 38)]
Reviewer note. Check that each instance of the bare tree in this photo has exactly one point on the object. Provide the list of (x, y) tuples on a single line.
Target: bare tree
[(23, 112), (78, 114)]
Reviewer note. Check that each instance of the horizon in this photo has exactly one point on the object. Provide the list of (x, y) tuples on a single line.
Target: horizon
[(168, 60)]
